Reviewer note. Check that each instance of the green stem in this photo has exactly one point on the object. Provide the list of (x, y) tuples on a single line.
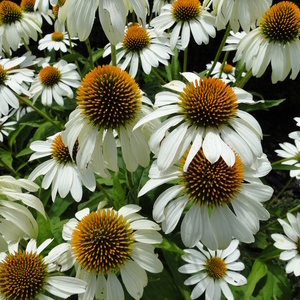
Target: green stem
[(278, 162), (26, 46), (72, 52), (185, 58), (132, 189), (102, 189), (41, 113), (219, 50), (8, 168), (245, 79), (223, 64), (162, 81), (113, 55), (88, 46), (280, 193)]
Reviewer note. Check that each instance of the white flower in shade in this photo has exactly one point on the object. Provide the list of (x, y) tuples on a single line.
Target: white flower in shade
[(80, 16), (225, 72), (55, 82), (17, 221), (296, 134), (189, 17), (13, 81), (109, 105), (43, 5), (239, 13), (5, 126), (30, 268), (142, 45), (290, 243), (15, 26), (28, 7), (157, 6), (56, 41), (203, 112), (291, 155), (233, 40), (212, 271), (221, 201), (275, 41), (108, 244), (60, 170)]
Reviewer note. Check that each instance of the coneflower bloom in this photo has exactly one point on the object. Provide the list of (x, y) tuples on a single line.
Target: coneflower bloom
[(55, 82), (80, 16), (189, 17), (28, 6), (290, 243), (60, 170), (17, 221), (203, 112), (142, 45), (57, 41), (13, 80), (221, 201), (26, 274), (109, 105), (275, 41), (110, 246), (212, 271), (5, 127), (239, 13), (15, 26)]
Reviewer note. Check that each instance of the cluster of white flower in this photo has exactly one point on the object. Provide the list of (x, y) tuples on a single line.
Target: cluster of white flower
[(193, 135)]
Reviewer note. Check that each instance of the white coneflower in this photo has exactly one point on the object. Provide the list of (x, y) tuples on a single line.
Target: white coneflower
[(109, 245), (221, 201), (56, 40), (189, 17), (203, 112), (212, 271), (239, 13), (109, 105), (142, 46), (13, 80), (290, 243), (26, 274), (17, 221), (55, 82), (60, 170), (15, 26), (275, 41)]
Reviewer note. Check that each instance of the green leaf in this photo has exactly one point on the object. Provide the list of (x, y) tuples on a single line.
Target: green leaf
[(161, 286), (284, 167), (60, 205), (119, 193), (260, 105), (44, 130), (276, 286), (269, 253), (44, 226), (169, 246), (174, 261), (6, 161), (97, 54), (56, 226), (258, 271)]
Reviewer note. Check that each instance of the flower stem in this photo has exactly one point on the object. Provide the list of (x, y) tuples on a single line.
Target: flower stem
[(88, 46), (72, 51), (185, 58), (8, 168), (245, 79), (41, 113), (280, 193), (26, 46), (113, 55), (219, 50), (162, 81), (102, 189)]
